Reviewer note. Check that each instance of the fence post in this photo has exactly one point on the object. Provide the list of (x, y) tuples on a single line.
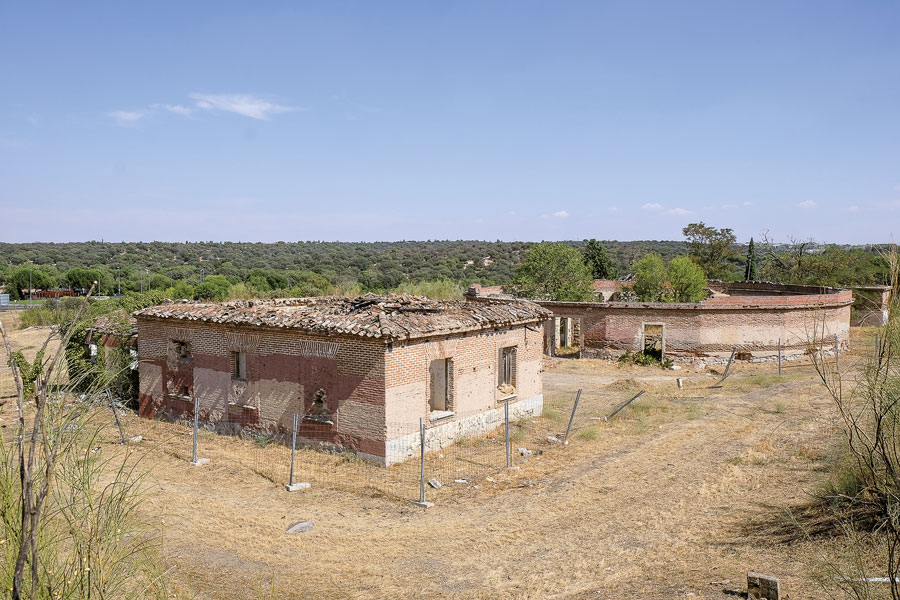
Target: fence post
[(112, 404), (291, 486), (572, 418), (779, 356), (194, 460), (293, 449), (506, 416), (837, 354), (422, 501)]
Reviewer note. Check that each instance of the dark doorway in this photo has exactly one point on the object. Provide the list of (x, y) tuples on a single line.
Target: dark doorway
[(654, 341)]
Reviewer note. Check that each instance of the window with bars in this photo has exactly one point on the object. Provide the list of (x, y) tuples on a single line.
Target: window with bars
[(507, 371)]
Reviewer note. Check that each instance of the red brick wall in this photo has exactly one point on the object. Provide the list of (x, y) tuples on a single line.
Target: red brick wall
[(283, 375)]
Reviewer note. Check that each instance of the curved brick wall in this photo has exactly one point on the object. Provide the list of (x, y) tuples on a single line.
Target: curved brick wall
[(750, 320)]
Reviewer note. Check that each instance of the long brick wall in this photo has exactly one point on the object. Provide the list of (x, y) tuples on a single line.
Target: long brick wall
[(714, 329)]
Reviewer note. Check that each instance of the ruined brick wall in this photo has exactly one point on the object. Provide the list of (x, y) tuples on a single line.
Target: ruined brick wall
[(474, 379), (285, 370), (752, 325)]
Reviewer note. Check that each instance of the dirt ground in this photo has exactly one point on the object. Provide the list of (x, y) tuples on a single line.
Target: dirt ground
[(674, 497)]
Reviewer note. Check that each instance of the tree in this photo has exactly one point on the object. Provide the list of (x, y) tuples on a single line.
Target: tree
[(750, 273), (554, 271), (710, 248), (82, 279), (599, 261), (649, 277), (215, 287), (687, 280), (159, 281), (183, 291), (23, 277)]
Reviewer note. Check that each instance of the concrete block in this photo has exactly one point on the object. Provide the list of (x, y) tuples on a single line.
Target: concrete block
[(435, 484), (424, 504), (199, 461), (136, 439), (762, 587), (301, 527), (295, 487)]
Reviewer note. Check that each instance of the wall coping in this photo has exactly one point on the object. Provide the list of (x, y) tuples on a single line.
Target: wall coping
[(725, 303)]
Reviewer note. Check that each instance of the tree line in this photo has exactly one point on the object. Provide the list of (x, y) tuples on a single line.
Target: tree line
[(219, 270)]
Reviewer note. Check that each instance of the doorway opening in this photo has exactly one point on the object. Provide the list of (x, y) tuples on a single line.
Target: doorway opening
[(654, 341)]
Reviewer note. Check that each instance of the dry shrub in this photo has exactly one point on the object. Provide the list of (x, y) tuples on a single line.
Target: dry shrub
[(69, 515), (864, 489)]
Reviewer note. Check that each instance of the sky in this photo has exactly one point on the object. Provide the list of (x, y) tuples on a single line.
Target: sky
[(364, 121)]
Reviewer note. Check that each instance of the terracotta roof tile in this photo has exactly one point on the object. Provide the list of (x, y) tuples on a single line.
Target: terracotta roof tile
[(392, 317)]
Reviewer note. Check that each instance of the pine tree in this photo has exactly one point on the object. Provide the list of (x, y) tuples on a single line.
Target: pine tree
[(599, 261), (750, 273)]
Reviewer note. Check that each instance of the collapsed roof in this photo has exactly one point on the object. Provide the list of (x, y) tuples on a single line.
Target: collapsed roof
[(390, 317)]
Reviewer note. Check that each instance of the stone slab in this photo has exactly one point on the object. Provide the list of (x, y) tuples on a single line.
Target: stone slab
[(762, 587), (301, 527), (296, 487)]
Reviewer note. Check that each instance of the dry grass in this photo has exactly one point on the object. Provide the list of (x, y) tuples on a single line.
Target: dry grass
[(679, 494)]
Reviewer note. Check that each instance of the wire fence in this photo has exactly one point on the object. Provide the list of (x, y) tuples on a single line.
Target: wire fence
[(462, 451)]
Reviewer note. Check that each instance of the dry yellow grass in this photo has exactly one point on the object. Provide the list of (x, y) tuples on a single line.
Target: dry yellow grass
[(672, 497)]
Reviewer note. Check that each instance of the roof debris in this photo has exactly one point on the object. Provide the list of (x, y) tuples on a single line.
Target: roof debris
[(391, 317)]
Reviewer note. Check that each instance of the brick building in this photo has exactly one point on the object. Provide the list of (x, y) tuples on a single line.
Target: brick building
[(748, 317), (361, 372)]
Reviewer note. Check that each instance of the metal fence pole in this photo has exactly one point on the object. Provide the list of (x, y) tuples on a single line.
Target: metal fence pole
[(779, 356), (115, 414), (572, 418), (293, 447), (422, 460), (506, 415), (196, 427), (837, 354)]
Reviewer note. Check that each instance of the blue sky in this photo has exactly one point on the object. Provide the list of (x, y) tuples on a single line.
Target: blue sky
[(460, 120)]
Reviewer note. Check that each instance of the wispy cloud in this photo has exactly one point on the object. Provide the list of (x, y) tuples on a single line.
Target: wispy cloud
[(178, 109), (127, 117), (748, 204), (678, 211), (807, 204), (241, 104), (613, 209), (653, 207), (561, 214), (853, 208)]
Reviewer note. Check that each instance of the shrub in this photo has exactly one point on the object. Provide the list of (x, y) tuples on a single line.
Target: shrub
[(649, 277), (687, 280)]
